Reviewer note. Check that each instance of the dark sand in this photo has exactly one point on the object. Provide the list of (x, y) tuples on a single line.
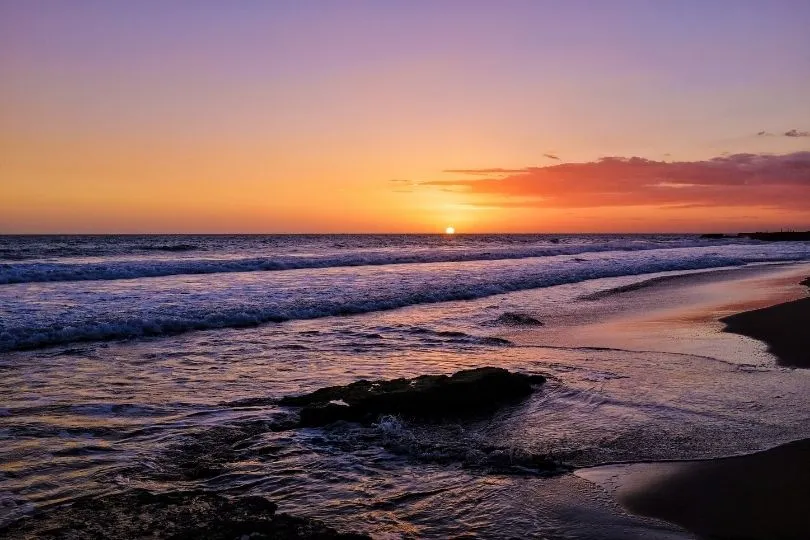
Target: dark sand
[(784, 327), (759, 496)]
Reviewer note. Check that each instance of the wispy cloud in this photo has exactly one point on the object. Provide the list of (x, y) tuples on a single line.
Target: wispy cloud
[(552, 156), (402, 185), (788, 133), (755, 180)]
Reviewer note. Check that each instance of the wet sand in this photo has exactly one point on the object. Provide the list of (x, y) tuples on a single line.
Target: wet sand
[(765, 495), (683, 314), (782, 327)]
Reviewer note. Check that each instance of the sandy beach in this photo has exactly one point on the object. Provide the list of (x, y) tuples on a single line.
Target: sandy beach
[(782, 327), (763, 495), (757, 496)]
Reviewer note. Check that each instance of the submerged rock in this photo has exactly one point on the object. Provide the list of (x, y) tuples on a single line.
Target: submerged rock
[(174, 515), (428, 397), (518, 319)]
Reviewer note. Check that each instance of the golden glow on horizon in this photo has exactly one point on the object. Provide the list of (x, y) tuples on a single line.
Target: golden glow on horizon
[(267, 119), (450, 230)]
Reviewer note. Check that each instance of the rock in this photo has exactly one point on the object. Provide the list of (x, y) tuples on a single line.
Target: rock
[(175, 515), (500, 342), (428, 397), (518, 319)]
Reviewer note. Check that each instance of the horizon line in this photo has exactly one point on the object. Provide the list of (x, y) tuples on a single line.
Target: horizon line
[(438, 233)]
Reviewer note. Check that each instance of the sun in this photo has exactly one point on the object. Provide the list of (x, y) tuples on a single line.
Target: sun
[(450, 230)]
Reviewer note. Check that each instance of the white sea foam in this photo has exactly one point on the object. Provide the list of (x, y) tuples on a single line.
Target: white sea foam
[(156, 266), (38, 315)]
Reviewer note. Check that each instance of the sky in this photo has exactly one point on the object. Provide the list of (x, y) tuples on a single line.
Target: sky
[(404, 116)]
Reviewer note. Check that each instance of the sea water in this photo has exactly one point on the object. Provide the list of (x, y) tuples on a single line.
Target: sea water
[(120, 353)]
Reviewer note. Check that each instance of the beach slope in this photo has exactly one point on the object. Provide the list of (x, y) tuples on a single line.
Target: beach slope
[(782, 327), (759, 496)]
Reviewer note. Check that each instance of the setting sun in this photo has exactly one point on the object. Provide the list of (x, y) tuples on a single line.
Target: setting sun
[(237, 208)]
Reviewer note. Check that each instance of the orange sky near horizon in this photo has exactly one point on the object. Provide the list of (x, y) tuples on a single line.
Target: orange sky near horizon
[(149, 118)]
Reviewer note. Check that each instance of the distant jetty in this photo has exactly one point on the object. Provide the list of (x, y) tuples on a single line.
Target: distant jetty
[(781, 236)]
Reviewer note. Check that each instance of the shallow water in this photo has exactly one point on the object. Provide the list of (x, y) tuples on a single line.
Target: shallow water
[(96, 415)]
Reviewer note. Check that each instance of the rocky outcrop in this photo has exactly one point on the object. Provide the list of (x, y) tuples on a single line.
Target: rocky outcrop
[(178, 515), (518, 319), (428, 397)]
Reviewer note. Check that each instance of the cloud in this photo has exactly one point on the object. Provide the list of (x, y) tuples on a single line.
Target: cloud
[(402, 185), (753, 180), (551, 156), (789, 133)]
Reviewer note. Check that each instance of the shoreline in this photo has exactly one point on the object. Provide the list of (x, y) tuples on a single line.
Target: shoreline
[(781, 327), (761, 495), (754, 496), (679, 314), (691, 277)]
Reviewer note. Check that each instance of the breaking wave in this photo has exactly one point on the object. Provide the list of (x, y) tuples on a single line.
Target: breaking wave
[(40, 315), (129, 268)]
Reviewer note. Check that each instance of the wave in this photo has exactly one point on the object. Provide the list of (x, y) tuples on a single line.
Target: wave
[(112, 269), (38, 316), (168, 247)]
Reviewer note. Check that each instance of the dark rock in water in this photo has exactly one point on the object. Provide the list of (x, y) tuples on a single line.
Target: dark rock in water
[(429, 397), (452, 334), (175, 515), (501, 342), (518, 319)]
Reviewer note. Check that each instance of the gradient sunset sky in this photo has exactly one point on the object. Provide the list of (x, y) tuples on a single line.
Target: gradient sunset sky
[(404, 116)]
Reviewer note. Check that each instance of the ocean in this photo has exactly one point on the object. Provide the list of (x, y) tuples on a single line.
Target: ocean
[(124, 357)]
